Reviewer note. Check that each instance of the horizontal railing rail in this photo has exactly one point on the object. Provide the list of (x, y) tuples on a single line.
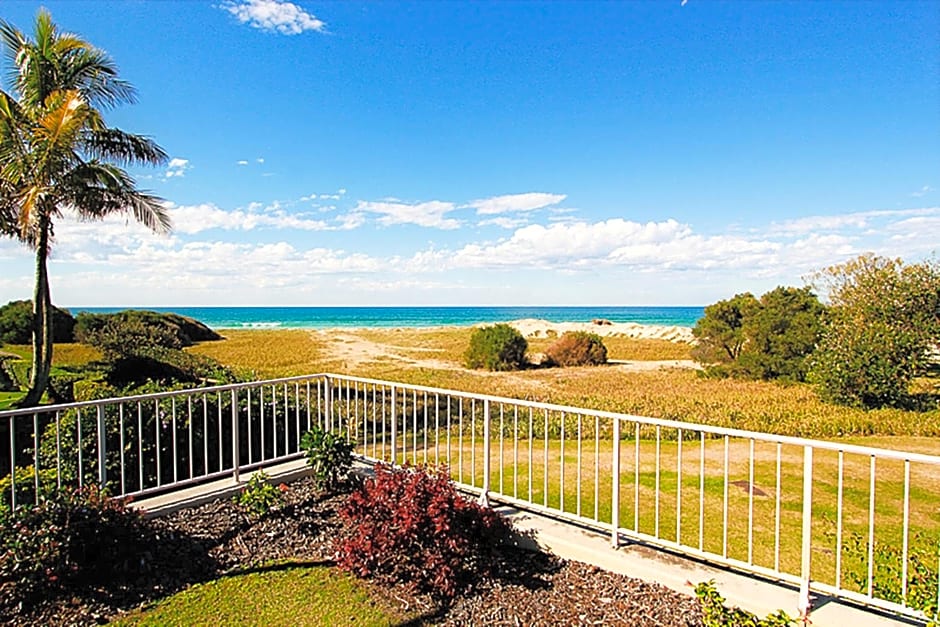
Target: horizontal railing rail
[(853, 521)]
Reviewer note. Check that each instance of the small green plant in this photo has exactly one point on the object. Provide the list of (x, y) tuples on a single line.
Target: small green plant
[(329, 456), (578, 348), (716, 614), (259, 497), (499, 347), (923, 556)]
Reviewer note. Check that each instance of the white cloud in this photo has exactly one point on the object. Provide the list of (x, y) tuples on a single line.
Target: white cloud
[(274, 15), (856, 220), (504, 222), (241, 162), (177, 167), (191, 219), (259, 160), (923, 191), (430, 214), (513, 203)]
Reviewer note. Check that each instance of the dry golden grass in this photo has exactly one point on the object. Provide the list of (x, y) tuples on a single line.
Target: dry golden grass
[(418, 356)]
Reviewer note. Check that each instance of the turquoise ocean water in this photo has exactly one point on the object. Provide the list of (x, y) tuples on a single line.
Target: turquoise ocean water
[(326, 317)]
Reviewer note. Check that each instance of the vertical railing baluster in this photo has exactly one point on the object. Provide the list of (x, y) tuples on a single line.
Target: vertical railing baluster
[(679, 486), (501, 473), (81, 469), (839, 494), (561, 468), (487, 443), (205, 433), (251, 448), (58, 450), (701, 492), (156, 426), (515, 451), (871, 527), (140, 445), (218, 404), (656, 506), (36, 469), (236, 436), (636, 478), (414, 427), (261, 421), (807, 531), (189, 416), (175, 456), (597, 467), (905, 529), (615, 486), (750, 505), (12, 463), (724, 509), (531, 443), (437, 429), (545, 466), (394, 427), (473, 441), (121, 444), (578, 480)]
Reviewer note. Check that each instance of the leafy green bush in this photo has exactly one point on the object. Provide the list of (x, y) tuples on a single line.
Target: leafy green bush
[(73, 536), (169, 330), (716, 614), (885, 322), (578, 348), (888, 573), (497, 347), (258, 496), (410, 526), (16, 323), (329, 456), (26, 485), (770, 338)]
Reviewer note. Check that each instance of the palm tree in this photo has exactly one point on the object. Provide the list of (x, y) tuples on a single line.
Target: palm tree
[(58, 155)]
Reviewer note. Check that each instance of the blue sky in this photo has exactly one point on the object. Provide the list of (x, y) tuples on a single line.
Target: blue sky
[(512, 153)]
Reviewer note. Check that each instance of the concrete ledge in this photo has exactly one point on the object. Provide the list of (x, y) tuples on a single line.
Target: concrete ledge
[(754, 594)]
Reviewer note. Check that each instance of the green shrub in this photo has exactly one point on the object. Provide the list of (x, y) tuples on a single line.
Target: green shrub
[(410, 526), (770, 338), (119, 330), (258, 496), (885, 324), (497, 347), (16, 323), (329, 456), (26, 485), (578, 348), (71, 537), (716, 614)]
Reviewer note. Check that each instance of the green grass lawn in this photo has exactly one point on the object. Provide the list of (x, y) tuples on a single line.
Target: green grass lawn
[(586, 490), (289, 595)]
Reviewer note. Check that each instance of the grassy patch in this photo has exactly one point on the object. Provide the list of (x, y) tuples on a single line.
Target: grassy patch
[(282, 595), (8, 398)]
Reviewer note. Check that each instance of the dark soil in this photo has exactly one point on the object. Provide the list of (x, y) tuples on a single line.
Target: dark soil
[(205, 542)]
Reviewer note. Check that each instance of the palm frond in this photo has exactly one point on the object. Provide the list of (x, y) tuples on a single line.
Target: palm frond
[(115, 145), (95, 190)]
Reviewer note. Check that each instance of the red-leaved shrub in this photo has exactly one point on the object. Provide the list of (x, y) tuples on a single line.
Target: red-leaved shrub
[(578, 348), (409, 525)]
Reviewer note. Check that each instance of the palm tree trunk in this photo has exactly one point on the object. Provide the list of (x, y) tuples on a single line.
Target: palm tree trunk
[(42, 324)]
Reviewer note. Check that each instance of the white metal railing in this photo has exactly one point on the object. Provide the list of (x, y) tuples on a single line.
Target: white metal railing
[(851, 521)]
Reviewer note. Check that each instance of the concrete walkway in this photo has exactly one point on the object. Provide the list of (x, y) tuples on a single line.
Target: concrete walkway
[(572, 542)]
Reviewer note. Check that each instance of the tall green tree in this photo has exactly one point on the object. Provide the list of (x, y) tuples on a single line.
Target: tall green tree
[(57, 155), (884, 327), (720, 333)]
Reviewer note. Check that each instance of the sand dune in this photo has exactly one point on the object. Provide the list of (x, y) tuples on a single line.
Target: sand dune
[(531, 327)]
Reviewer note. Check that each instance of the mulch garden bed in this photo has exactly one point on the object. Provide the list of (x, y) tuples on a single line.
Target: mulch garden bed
[(202, 543)]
